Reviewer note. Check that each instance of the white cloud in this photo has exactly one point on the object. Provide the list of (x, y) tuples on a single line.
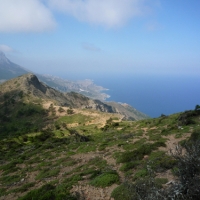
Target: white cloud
[(109, 13), (25, 16), (5, 48)]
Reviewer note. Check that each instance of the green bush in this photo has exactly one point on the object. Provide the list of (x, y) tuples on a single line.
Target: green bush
[(130, 165), (159, 161), (124, 192), (48, 192), (195, 135), (105, 179), (141, 173), (139, 153)]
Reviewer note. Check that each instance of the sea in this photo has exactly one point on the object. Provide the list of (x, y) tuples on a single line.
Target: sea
[(153, 94)]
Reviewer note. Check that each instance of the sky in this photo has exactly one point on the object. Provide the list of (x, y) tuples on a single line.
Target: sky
[(80, 39), (87, 37)]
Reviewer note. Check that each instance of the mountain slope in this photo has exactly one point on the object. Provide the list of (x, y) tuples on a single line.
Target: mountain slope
[(9, 69), (33, 89), (127, 111), (85, 161), (84, 87)]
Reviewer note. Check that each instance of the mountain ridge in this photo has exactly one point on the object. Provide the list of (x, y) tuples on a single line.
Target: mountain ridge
[(10, 70), (32, 88), (87, 88)]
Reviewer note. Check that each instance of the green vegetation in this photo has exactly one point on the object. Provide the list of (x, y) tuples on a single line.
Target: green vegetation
[(17, 118), (47, 192), (105, 179), (43, 156)]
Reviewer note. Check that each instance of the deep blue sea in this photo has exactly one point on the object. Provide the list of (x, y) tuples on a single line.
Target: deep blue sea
[(152, 94)]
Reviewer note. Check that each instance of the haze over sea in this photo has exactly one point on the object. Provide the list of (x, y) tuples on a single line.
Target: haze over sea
[(153, 94)]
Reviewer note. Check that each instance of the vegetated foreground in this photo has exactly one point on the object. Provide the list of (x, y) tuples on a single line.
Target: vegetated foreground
[(51, 152)]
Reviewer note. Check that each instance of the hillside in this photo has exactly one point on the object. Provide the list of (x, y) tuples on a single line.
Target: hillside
[(50, 151), (127, 111), (31, 89), (9, 69), (84, 87)]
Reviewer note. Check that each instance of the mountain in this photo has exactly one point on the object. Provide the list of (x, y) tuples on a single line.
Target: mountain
[(31, 88), (87, 88), (10, 70)]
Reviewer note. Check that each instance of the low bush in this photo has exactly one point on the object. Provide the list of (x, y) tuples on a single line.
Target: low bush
[(138, 153), (130, 165), (139, 174), (48, 192), (105, 179), (125, 191)]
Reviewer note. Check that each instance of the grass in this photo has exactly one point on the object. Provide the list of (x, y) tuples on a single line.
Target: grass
[(10, 180), (47, 173), (75, 118), (48, 192)]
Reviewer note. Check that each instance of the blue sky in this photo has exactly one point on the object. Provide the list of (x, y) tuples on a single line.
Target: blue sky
[(86, 37)]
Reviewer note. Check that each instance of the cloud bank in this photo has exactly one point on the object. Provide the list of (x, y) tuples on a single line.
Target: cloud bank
[(25, 16), (109, 13), (37, 15)]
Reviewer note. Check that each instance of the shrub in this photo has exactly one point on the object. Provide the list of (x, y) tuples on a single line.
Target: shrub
[(48, 192), (139, 153), (159, 161), (195, 135), (187, 172), (61, 110), (187, 185), (141, 173), (105, 179), (70, 111), (125, 191), (130, 165)]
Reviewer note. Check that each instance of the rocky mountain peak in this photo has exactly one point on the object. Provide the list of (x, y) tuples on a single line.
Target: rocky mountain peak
[(3, 58), (31, 81)]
